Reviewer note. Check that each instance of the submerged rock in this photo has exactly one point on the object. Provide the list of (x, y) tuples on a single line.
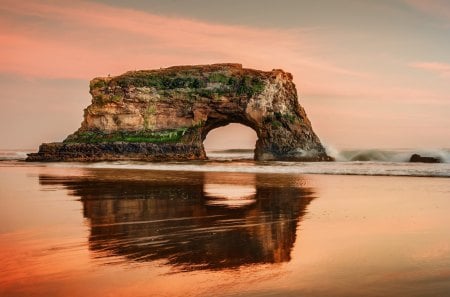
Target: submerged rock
[(419, 158), (165, 114)]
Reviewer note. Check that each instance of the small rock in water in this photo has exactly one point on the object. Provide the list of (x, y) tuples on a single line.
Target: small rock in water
[(419, 158)]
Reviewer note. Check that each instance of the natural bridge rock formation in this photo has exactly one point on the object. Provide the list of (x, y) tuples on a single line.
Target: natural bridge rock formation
[(165, 114)]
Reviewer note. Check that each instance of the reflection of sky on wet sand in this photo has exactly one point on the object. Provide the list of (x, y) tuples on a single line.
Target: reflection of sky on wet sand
[(108, 232), (232, 193), (229, 195)]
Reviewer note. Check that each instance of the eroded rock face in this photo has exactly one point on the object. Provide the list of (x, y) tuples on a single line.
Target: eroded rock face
[(166, 114)]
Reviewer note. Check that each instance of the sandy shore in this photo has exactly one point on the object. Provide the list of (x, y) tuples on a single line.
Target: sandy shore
[(98, 232)]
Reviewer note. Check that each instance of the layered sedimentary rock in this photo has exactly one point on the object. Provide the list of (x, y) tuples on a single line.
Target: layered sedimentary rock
[(165, 114)]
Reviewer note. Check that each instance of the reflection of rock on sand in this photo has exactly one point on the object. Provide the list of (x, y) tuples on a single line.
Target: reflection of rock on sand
[(186, 219)]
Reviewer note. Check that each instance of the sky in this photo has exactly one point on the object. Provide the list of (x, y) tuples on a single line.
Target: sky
[(370, 73)]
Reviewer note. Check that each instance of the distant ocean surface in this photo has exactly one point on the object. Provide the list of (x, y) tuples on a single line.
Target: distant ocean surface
[(393, 162)]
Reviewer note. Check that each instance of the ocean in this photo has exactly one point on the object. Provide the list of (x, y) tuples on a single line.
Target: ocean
[(369, 224), (348, 162)]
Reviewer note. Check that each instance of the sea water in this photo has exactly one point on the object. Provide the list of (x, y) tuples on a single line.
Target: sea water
[(349, 162)]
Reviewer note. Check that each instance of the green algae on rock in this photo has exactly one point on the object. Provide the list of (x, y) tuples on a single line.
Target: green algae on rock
[(165, 114)]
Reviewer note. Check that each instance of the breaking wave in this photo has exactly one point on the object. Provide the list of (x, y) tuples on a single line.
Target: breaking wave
[(11, 155), (348, 162), (394, 155), (351, 155)]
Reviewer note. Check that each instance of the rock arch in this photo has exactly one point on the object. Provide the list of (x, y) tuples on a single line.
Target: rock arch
[(166, 114)]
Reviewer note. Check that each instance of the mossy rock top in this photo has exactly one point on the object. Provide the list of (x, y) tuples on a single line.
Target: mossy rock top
[(208, 81)]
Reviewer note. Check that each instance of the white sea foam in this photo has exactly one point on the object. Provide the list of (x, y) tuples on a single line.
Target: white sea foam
[(378, 162), (228, 155), (8, 155), (387, 155), (342, 168)]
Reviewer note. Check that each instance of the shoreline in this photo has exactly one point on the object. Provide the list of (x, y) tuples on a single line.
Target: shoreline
[(440, 170)]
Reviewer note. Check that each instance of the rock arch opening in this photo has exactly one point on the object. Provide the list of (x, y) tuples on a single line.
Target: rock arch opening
[(231, 138)]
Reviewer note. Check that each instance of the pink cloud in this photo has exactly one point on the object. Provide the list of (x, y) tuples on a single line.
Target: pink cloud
[(436, 8), (443, 69), (86, 39)]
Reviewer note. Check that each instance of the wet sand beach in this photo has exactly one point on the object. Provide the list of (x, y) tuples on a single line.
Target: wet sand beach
[(123, 232)]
